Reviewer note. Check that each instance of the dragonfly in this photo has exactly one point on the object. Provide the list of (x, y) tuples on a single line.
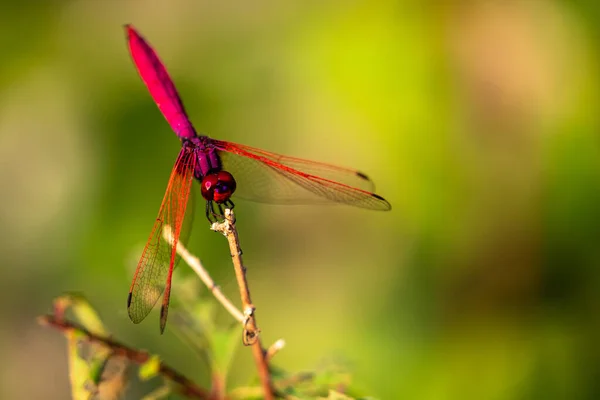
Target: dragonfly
[(222, 169)]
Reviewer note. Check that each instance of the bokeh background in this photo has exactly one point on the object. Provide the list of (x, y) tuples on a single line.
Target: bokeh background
[(478, 120)]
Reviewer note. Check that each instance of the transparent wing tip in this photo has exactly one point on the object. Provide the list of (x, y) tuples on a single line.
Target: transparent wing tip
[(133, 313), (164, 311), (385, 205), (363, 176), (368, 182)]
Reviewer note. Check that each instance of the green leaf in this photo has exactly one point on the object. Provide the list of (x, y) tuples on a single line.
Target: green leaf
[(150, 368), (78, 370), (333, 395), (84, 312), (96, 369), (190, 331), (328, 379), (224, 345), (186, 287), (161, 393), (247, 393)]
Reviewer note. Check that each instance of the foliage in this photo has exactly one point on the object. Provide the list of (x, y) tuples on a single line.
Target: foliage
[(98, 365)]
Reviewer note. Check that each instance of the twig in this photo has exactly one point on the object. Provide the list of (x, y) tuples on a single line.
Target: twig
[(274, 349), (196, 265), (251, 331), (186, 386)]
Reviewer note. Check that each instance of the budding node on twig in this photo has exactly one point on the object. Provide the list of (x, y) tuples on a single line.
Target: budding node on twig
[(274, 349)]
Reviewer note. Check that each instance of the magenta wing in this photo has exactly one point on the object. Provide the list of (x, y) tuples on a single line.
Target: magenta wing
[(155, 268), (159, 83), (273, 178)]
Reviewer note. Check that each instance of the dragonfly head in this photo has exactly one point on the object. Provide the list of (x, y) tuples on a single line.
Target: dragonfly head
[(218, 186)]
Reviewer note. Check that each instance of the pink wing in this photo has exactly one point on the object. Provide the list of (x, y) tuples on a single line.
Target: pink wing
[(159, 83), (273, 178), (155, 268)]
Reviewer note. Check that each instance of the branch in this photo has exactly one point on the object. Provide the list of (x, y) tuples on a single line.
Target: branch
[(251, 331), (274, 349), (196, 265), (186, 386)]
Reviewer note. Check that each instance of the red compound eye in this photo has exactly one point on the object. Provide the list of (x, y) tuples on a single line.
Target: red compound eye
[(208, 186), (218, 186)]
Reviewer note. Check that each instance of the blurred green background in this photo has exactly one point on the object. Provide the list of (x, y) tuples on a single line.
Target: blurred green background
[(478, 120)]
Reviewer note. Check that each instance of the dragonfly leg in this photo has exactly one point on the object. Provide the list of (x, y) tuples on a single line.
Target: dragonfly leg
[(207, 211), (214, 215), (229, 204), (210, 212)]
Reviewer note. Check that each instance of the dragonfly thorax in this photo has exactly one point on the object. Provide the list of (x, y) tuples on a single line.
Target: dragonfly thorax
[(218, 186)]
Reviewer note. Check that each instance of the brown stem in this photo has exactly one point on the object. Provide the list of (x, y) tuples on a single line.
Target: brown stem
[(219, 388), (251, 330), (186, 387), (196, 265)]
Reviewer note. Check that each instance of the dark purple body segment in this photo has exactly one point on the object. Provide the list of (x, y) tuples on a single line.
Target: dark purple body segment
[(208, 160), (160, 85)]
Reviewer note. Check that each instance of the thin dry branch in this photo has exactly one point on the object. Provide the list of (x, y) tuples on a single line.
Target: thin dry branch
[(274, 349), (185, 386), (251, 331), (196, 265)]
